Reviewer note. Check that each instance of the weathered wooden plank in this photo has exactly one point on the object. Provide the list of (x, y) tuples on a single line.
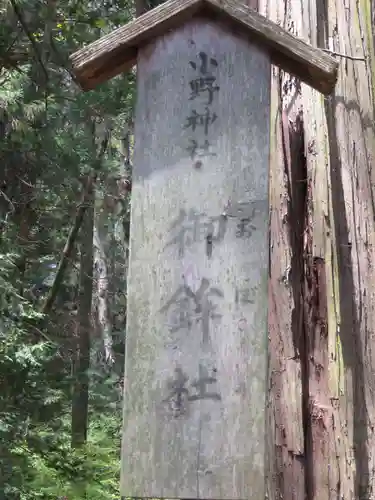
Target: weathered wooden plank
[(196, 345), (116, 52)]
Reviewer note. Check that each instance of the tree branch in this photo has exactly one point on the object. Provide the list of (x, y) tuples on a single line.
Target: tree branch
[(19, 15), (69, 245)]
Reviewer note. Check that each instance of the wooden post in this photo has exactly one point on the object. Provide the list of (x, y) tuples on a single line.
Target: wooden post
[(196, 345), (196, 356)]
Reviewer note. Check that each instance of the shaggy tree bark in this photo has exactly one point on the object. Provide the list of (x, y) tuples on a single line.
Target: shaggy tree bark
[(322, 314)]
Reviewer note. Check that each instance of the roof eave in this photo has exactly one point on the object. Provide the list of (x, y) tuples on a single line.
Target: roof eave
[(117, 52)]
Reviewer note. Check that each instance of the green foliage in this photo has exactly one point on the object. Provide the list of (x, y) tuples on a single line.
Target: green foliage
[(93, 470), (37, 460), (51, 134)]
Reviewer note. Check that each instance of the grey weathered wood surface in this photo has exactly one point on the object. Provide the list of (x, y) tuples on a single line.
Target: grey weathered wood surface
[(210, 448), (117, 51)]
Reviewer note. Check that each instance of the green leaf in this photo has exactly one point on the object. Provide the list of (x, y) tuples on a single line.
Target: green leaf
[(100, 23)]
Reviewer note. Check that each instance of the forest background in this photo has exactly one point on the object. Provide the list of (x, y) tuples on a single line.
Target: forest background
[(65, 185), (64, 219)]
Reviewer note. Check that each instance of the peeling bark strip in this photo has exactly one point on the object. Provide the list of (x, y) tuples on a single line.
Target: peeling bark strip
[(305, 279), (343, 233), (318, 410), (286, 455)]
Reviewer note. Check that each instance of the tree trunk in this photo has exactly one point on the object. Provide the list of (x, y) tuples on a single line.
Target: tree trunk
[(322, 314), (102, 292), (82, 356)]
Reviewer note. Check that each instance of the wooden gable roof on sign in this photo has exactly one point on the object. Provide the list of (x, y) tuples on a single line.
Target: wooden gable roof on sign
[(117, 51)]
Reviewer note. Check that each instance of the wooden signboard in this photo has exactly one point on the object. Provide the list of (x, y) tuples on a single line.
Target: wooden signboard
[(196, 346), (196, 341)]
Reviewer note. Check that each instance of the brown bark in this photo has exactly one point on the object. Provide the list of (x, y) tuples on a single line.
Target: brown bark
[(321, 363), (286, 340)]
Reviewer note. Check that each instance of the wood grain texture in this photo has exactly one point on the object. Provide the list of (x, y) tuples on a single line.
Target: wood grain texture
[(189, 235), (116, 52), (334, 372)]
